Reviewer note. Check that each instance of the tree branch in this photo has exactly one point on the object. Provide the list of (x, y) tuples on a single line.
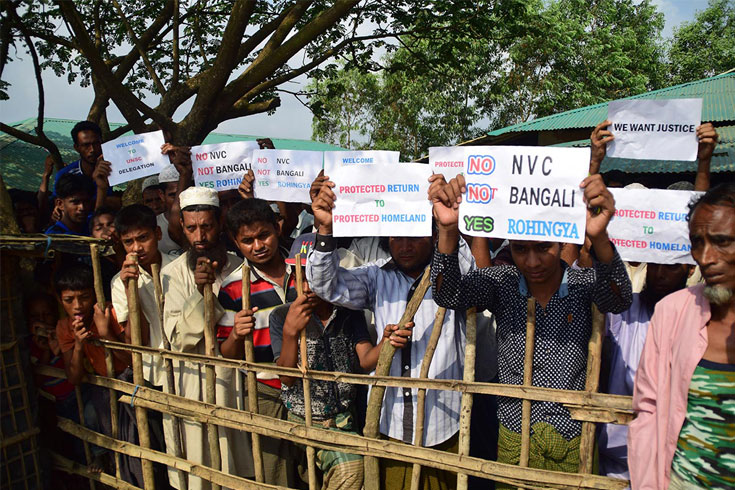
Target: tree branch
[(175, 50), (248, 109), (139, 47)]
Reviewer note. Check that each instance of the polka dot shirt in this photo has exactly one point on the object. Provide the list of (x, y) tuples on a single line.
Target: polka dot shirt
[(563, 327)]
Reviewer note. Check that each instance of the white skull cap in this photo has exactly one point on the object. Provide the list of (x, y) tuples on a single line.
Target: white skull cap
[(168, 174), (151, 181), (198, 196)]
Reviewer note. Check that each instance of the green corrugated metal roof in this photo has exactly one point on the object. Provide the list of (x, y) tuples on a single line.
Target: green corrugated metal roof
[(723, 159), (21, 164), (718, 94)]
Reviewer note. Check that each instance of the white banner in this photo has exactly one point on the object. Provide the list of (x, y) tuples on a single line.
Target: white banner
[(336, 159), (650, 225), (382, 200), (135, 156), (221, 166), (285, 175), (654, 129), (525, 193), (449, 160)]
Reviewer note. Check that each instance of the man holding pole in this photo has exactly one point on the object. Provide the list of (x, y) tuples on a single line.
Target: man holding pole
[(563, 300), (186, 281), (386, 288)]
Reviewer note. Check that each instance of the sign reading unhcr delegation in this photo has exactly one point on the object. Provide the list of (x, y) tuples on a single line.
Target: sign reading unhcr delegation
[(524, 192), (135, 156)]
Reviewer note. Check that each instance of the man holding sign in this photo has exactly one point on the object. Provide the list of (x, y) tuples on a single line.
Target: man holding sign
[(564, 297)]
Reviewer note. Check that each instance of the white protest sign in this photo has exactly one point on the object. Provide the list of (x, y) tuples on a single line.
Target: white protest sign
[(449, 160), (525, 193), (135, 156), (220, 166), (382, 200), (335, 159), (650, 225), (654, 129), (285, 175)]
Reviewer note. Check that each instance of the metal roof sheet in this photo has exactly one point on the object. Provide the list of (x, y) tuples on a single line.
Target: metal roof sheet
[(723, 158), (21, 164), (718, 104)]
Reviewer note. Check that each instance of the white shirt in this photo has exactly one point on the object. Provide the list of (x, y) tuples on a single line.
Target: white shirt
[(153, 367), (166, 244)]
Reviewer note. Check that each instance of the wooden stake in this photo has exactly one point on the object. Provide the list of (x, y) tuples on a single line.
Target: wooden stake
[(375, 402), (592, 382), (141, 416), (252, 379), (310, 452), (87, 451), (109, 363), (418, 436), (169, 365), (215, 457), (465, 415), (528, 381)]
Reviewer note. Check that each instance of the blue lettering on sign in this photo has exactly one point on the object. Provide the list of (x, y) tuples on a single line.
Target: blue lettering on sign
[(557, 229)]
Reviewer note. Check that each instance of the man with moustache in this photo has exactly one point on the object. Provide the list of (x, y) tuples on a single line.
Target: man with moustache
[(205, 262), (684, 432)]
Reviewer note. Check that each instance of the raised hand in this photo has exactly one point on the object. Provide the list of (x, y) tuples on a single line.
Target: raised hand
[(323, 206), (600, 207), (445, 198), (246, 185), (101, 174), (599, 139)]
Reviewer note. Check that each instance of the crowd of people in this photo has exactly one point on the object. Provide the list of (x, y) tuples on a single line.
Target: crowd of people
[(670, 346)]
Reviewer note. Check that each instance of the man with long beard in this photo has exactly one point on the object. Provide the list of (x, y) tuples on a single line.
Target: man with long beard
[(683, 434), (205, 262)]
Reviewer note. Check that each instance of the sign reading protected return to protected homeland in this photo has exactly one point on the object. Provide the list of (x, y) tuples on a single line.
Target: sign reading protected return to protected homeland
[(335, 159), (382, 200), (663, 129), (650, 225), (221, 166), (135, 156), (525, 193), (285, 175)]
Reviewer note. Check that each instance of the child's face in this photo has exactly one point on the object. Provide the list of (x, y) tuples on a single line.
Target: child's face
[(76, 207), (40, 311), (78, 304), (143, 242), (103, 226)]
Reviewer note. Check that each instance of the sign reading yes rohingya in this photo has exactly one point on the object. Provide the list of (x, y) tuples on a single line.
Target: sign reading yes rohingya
[(650, 225), (382, 200), (135, 156), (221, 166), (654, 129), (285, 175), (524, 193)]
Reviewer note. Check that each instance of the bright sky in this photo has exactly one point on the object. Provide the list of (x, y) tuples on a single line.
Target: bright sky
[(291, 120)]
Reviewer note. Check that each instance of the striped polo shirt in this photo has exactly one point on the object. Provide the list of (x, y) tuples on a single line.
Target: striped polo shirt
[(266, 295)]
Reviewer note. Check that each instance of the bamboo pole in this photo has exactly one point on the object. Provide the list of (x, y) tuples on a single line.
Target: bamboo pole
[(375, 402), (144, 435), (418, 438), (618, 406), (210, 378), (74, 468), (251, 378), (592, 381), (80, 411), (527, 381), (109, 363), (465, 415), (169, 365), (310, 452)]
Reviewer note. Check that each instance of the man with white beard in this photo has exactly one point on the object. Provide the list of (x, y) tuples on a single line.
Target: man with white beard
[(684, 432), (205, 262)]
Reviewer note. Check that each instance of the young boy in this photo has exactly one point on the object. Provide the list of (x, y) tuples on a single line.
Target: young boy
[(85, 320), (102, 225), (74, 199), (337, 340)]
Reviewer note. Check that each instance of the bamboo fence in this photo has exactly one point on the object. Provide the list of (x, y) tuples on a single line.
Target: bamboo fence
[(586, 406)]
